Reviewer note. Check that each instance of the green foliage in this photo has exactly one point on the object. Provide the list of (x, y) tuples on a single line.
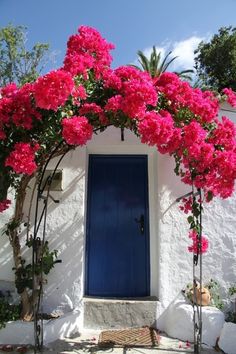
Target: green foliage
[(45, 262), (8, 312), (188, 291), (232, 290), (17, 64), (4, 183), (193, 220), (231, 315), (215, 60), (48, 259), (214, 288), (9, 227)]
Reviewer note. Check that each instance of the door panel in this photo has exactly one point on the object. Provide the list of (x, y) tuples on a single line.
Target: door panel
[(117, 249)]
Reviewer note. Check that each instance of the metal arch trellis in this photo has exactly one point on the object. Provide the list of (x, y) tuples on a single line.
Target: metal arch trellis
[(43, 194), (197, 264), (197, 278)]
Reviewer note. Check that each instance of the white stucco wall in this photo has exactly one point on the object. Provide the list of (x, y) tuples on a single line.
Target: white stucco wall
[(171, 264)]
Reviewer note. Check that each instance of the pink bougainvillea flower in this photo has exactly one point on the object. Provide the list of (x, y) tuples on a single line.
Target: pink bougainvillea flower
[(156, 128), (186, 205), (202, 103), (76, 130), (53, 89), (78, 93), (4, 204), (9, 90), (199, 156), (2, 135), (112, 80), (87, 50), (188, 345), (90, 108), (135, 91), (6, 107), (224, 134), (194, 133), (180, 94), (164, 112), (221, 177), (231, 96), (195, 246), (23, 113), (16, 106), (94, 109), (114, 104), (22, 158)]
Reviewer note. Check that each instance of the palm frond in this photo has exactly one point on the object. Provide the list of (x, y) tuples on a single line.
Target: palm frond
[(143, 61), (165, 64), (185, 74), (135, 66), (155, 66)]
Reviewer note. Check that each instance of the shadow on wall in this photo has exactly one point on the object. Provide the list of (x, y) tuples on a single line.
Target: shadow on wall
[(161, 320), (65, 229), (63, 327), (6, 261), (64, 289), (65, 233)]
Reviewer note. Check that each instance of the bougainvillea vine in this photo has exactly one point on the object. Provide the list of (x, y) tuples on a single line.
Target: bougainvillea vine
[(66, 105)]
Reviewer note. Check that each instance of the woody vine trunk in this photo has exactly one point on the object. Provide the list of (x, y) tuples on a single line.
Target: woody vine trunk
[(26, 275), (26, 295)]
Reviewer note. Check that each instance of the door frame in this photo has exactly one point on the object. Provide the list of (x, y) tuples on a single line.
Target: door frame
[(131, 146), (87, 241)]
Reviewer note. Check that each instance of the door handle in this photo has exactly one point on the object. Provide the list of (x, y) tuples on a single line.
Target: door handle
[(140, 221)]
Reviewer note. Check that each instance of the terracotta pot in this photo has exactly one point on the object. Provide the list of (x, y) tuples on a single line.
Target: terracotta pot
[(204, 294)]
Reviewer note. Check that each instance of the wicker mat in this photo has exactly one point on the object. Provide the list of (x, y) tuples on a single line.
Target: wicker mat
[(131, 337)]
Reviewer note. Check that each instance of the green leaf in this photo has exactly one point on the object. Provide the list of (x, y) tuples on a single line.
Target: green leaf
[(190, 219), (209, 196)]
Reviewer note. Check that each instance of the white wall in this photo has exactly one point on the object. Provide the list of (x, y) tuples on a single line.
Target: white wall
[(219, 225), (171, 264)]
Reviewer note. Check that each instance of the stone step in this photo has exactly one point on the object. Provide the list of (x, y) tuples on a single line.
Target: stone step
[(100, 313)]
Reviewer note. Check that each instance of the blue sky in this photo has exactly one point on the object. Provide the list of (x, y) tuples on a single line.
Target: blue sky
[(176, 25)]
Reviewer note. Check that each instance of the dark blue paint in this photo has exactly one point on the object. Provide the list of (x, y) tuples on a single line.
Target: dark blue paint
[(117, 251)]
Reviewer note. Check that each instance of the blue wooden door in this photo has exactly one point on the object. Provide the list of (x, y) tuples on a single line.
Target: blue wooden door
[(117, 247)]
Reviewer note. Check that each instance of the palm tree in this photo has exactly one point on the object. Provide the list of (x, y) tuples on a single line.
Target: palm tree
[(155, 66)]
